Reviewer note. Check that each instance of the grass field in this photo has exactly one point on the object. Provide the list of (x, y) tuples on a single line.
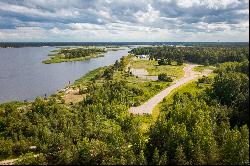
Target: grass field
[(154, 69), (202, 68)]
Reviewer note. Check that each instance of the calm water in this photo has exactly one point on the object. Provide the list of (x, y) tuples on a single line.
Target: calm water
[(24, 77)]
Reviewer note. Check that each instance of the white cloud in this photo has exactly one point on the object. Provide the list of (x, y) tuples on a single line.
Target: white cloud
[(111, 26), (214, 4), (124, 20), (149, 16), (85, 26), (38, 12), (212, 27), (23, 33), (105, 14), (243, 11), (187, 3)]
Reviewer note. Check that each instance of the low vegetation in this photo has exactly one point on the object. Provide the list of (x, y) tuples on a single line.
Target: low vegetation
[(164, 77), (154, 69), (202, 68)]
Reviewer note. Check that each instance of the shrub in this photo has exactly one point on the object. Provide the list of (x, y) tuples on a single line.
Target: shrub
[(32, 159), (164, 77), (162, 62), (205, 80)]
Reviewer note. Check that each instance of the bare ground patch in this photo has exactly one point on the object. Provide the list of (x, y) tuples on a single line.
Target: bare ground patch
[(73, 96)]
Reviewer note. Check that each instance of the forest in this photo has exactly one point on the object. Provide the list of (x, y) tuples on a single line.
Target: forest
[(199, 54), (206, 124)]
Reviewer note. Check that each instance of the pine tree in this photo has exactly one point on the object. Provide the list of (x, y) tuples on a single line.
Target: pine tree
[(180, 156), (164, 159), (198, 157), (156, 157), (142, 160)]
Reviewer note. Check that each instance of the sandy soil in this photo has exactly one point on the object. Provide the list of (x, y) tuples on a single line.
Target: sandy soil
[(72, 95), (143, 73), (148, 106), (8, 162)]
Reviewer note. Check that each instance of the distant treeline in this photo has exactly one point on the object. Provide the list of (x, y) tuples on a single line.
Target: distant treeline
[(39, 44), (201, 55)]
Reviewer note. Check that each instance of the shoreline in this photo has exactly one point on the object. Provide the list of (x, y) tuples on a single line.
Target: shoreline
[(63, 90)]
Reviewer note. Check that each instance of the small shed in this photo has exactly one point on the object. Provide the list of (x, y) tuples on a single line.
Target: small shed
[(142, 56)]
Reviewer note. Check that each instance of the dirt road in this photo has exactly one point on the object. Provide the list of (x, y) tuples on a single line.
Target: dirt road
[(148, 106)]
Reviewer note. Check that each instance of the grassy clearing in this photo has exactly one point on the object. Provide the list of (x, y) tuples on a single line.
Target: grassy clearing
[(154, 69), (89, 76), (202, 68), (190, 87), (148, 120)]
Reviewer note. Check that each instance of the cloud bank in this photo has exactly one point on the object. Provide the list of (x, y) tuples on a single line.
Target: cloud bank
[(124, 20)]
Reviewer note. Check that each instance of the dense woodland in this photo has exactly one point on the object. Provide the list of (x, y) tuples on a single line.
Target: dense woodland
[(200, 55), (210, 127)]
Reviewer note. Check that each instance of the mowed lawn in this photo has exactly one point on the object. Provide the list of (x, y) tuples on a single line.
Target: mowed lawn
[(154, 69)]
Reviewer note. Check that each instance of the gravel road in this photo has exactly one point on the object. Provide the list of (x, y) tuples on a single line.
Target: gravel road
[(148, 106)]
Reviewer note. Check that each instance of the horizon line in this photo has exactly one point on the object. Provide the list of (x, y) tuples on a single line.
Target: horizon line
[(124, 42)]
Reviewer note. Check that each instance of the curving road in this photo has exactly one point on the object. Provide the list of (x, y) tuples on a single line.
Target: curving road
[(148, 106)]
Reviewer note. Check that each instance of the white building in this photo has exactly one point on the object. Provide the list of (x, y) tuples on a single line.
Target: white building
[(142, 56)]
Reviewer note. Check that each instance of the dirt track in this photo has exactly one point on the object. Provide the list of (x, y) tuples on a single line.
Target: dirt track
[(148, 106)]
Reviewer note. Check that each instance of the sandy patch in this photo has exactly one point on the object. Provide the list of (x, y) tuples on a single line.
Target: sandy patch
[(143, 73), (72, 96)]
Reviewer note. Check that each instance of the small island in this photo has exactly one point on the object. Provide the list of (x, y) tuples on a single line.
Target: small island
[(74, 54)]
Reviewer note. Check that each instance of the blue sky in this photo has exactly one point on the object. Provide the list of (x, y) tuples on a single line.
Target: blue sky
[(124, 20)]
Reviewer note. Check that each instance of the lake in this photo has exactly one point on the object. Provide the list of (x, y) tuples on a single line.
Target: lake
[(24, 77)]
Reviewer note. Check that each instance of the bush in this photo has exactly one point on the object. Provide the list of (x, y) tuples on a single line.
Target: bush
[(82, 90), (204, 80), (108, 73), (164, 77), (180, 62), (162, 62), (32, 159)]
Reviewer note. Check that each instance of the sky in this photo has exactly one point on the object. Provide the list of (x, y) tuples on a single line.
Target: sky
[(124, 20)]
